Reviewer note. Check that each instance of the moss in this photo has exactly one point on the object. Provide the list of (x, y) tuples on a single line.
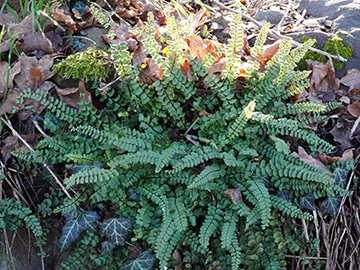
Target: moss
[(91, 65), (333, 46)]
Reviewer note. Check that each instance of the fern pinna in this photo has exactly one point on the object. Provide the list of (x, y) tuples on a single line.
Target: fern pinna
[(191, 161)]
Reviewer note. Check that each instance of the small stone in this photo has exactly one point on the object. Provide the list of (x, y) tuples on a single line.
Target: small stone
[(271, 16), (328, 23), (311, 23)]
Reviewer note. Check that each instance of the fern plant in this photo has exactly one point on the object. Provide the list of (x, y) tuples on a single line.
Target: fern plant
[(207, 184)]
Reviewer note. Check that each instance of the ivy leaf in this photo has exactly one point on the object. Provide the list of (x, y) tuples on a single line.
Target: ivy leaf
[(116, 229), (340, 176), (144, 261), (307, 202), (77, 222), (331, 205), (107, 247)]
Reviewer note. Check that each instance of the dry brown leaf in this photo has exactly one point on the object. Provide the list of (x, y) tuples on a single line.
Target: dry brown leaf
[(185, 69), (35, 107), (270, 50), (23, 79), (63, 17), (10, 144), (72, 96), (7, 19), (33, 42), (347, 155), (235, 194), (342, 130), (3, 74), (323, 84), (354, 109), (177, 256), (19, 29), (302, 155), (351, 79), (199, 48), (151, 73), (139, 55), (122, 33)]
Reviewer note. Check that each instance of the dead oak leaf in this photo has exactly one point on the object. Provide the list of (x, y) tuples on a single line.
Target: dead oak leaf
[(304, 156), (33, 43), (151, 73), (351, 79), (72, 96), (24, 80), (235, 195), (122, 33), (323, 84), (10, 143), (354, 109), (342, 129), (199, 48), (3, 74)]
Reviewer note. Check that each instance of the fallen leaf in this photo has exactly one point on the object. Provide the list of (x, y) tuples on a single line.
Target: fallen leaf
[(270, 50), (72, 96), (122, 33), (354, 109), (3, 74), (304, 156), (63, 17), (341, 130), (199, 48), (347, 155), (151, 73), (10, 143), (32, 42), (186, 70), (235, 194), (23, 79), (177, 257), (139, 55), (323, 84), (351, 79)]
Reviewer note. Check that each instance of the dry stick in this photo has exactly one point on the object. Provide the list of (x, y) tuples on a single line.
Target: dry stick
[(283, 17), (272, 34), (44, 164)]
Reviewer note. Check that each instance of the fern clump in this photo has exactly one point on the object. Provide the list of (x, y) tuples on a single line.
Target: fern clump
[(206, 173)]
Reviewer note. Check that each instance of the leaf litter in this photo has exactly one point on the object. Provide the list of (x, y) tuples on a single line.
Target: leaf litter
[(33, 70)]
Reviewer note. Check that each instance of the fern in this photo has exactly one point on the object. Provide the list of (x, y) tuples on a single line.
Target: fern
[(186, 160)]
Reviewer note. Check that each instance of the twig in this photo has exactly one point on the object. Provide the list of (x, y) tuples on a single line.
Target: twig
[(300, 20), (354, 126), (36, 123), (305, 258), (274, 35), (284, 16), (31, 149)]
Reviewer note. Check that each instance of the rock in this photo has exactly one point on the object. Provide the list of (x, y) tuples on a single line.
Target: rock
[(343, 18), (328, 23), (272, 16)]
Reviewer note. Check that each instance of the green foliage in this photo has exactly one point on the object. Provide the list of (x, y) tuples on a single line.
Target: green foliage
[(160, 175), (12, 213), (333, 46), (91, 65), (76, 222)]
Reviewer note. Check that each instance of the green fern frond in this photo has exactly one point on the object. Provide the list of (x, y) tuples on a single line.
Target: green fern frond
[(208, 174), (228, 229), (93, 175), (210, 225), (258, 47)]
